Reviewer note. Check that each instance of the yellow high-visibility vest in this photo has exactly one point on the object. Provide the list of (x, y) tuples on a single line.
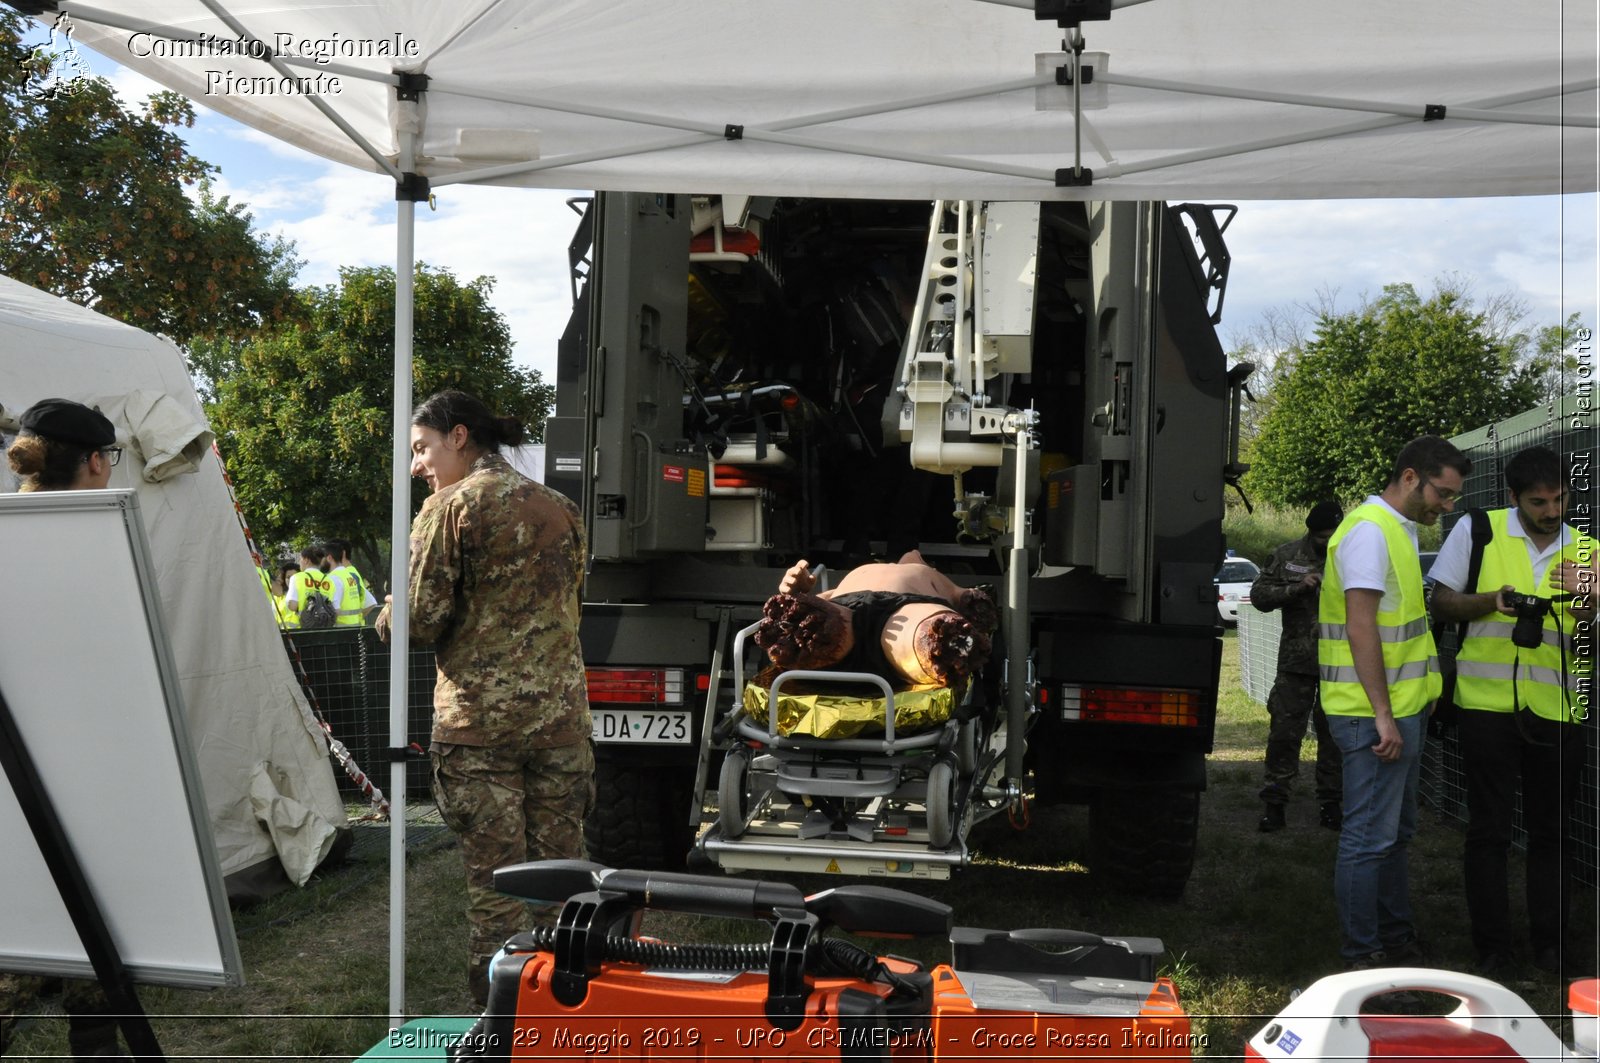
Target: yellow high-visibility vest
[(305, 583), (1490, 665), (355, 595), (1410, 660)]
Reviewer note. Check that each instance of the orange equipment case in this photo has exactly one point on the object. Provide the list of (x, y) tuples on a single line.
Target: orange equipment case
[(592, 986)]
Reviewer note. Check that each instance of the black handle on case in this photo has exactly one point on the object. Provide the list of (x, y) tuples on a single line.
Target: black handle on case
[(555, 881), (857, 909), (547, 881), (880, 911)]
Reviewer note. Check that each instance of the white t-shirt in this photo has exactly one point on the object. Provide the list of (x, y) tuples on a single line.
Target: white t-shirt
[(1363, 557), (1455, 556)]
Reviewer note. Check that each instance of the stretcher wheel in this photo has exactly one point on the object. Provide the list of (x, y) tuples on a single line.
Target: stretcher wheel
[(731, 806), (941, 804), (969, 745)]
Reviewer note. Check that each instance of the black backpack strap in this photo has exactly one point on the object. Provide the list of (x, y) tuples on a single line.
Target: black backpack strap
[(1482, 532), (1444, 713)]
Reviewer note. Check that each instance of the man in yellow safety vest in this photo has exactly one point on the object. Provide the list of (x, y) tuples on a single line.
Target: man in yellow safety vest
[(1521, 687), (353, 597), (1378, 677)]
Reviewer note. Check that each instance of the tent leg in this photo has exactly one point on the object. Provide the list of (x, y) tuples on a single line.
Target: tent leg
[(399, 613)]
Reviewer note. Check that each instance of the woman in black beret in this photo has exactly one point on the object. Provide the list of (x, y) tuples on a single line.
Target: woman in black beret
[(64, 446)]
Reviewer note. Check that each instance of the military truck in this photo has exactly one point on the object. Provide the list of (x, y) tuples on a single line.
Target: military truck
[(1032, 394)]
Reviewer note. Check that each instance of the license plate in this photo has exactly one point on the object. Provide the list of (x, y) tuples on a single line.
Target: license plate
[(641, 726)]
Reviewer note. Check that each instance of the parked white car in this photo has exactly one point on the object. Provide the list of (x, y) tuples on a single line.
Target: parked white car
[(1233, 586)]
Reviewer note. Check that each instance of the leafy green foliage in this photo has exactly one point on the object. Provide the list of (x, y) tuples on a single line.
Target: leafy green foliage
[(1369, 381), (95, 205), (304, 413)]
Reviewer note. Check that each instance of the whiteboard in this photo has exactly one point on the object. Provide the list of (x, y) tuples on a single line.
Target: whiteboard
[(89, 677)]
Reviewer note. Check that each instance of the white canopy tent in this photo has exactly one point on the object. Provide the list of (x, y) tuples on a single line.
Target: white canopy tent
[(1188, 99)]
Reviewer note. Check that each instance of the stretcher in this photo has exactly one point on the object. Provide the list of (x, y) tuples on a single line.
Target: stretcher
[(594, 986), (891, 790)]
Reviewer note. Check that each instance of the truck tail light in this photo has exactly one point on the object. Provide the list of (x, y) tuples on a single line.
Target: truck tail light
[(1161, 706), (637, 686)]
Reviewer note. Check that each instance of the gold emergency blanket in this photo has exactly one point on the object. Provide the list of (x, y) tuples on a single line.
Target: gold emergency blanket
[(805, 710)]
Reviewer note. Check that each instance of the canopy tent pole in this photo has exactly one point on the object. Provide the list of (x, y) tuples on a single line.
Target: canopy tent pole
[(1412, 111), (399, 564), (1327, 133), (491, 173), (316, 101), (101, 17), (509, 169)]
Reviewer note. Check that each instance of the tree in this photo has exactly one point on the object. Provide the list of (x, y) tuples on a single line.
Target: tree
[(304, 414), (96, 206), (1368, 381)]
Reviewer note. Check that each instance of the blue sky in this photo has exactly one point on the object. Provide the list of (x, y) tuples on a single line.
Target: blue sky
[(1286, 255)]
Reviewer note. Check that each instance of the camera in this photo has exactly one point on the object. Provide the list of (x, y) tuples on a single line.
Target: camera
[(1531, 611)]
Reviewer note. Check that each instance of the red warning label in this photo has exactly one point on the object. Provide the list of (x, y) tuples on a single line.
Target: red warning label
[(673, 474)]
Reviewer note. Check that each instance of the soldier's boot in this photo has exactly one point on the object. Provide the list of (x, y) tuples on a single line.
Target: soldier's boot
[(1330, 815), (1273, 819), (93, 1038)]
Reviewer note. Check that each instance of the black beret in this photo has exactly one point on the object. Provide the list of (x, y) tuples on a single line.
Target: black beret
[(66, 421), (1324, 516)]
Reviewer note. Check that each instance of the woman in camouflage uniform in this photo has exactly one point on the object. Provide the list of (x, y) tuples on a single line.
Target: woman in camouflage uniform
[(496, 567)]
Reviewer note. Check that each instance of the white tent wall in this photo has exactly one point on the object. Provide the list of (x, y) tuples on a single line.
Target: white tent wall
[(1251, 99), (274, 807)]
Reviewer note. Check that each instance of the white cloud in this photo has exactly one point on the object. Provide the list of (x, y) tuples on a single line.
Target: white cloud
[(517, 236)]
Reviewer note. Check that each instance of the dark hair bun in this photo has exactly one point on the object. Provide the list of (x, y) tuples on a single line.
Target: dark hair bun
[(508, 430)]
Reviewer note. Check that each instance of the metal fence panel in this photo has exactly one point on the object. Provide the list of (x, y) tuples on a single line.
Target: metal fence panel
[(345, 673), (1258, 650)]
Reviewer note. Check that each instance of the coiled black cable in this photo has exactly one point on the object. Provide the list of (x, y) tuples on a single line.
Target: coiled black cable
[(719, 957), (832, 956)]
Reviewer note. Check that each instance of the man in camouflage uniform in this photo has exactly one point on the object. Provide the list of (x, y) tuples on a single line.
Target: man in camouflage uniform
[(496, 566), (1291, 582)]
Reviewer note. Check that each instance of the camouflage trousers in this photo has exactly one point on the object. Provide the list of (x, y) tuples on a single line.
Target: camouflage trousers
[(1294, 701), (509, 805)]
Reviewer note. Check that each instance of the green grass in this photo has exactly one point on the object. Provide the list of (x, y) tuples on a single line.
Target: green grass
[(1256, 923)]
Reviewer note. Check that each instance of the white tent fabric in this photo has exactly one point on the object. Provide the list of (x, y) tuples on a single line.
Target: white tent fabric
[(264, 764), (1248, 99)]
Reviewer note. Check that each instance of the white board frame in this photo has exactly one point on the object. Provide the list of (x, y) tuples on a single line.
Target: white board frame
[(90, 679)]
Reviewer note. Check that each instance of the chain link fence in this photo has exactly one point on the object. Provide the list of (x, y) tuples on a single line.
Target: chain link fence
[(1569, 429)]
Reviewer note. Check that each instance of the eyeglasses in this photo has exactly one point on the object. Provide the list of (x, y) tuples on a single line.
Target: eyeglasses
[(1444, 493), (113, 454)]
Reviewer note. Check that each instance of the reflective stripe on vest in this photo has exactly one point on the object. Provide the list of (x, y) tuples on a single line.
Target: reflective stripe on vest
[(355, 593), (1493, 673), (1411, 668)]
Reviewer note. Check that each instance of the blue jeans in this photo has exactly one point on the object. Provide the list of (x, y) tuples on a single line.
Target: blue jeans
[(1370, 883)]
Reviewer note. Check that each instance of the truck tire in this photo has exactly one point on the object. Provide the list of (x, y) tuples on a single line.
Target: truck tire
[(1142, 841), (640, 817)]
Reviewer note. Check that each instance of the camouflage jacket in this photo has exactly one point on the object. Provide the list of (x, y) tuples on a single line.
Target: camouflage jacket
[(496, 569), (1279, 587)]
